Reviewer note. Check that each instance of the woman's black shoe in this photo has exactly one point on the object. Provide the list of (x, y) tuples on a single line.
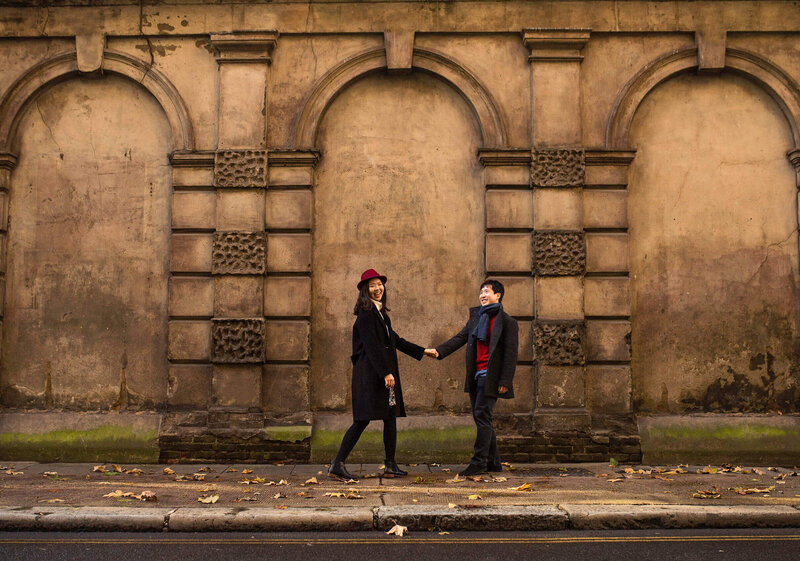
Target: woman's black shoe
[(337, 469), (471, 470), (498, 467), (391, 469)]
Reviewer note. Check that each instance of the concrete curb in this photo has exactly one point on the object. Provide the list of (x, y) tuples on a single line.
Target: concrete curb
[(490, 518), (630, 517), (420, 518)]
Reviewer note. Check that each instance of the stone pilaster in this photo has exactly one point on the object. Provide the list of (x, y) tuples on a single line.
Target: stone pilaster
[(7, 164), (509, 255), (607, 299), (557, 178)]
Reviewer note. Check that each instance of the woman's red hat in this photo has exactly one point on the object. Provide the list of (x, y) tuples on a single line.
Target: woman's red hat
[(370, 274)]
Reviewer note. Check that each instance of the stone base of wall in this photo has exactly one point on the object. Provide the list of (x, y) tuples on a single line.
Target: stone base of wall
[(570, 446), (223, 436)]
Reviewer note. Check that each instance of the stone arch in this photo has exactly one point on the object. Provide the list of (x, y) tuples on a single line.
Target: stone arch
[(476, 95), (773, 80), (65, 66)]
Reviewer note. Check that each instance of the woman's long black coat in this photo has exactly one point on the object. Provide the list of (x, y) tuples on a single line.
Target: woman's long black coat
[(375, 347)]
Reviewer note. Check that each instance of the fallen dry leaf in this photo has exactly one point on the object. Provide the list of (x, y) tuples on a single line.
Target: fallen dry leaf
[(208, 499), (51, 500), (708, 469), (446, 470), (451, 505), (252, 480), (240, 499), (758, 471), (312, 481), (708, 494), (134, 471), (169, 471), (335, 495), (751, 490), (100, 468), (662, 478), (475, 497), (281, 507), (205, 468), (616, 480), (444, 533), (523, 487), (231, 470), (397, 530), (456, 479), (50, 474), (147, 496), (245, 471), (499, 479), (117, 468), (278, 496)]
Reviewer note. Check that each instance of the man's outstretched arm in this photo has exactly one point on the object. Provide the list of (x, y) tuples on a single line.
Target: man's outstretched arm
[(453, 344)]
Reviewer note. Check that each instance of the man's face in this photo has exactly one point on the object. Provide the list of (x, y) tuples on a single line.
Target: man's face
[(488, 296), (376, 289)]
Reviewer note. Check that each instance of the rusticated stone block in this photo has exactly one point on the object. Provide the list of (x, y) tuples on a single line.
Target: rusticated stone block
[(607, 253), (525, 340), (236, 386), (559, 298), (560, 386), (239, 296), (190, 253), (557, 209), (189, 386), (508, 253), (239, 253), (559, 343), (608, 340), (289, 253), (523, 393), (193, 209), (189, 340), (287, 340), (285, 389), (191, 296), (240, 210), (607, 296), (558, 168), (605, 208), (238, 340), (506, 208), (559, 253), (240, 168), (287, 296), (608, 389), (290, 209)]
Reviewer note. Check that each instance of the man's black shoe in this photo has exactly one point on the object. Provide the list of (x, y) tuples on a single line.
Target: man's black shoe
[(495, 467), (391, 469), (472, 470), (337, 469)]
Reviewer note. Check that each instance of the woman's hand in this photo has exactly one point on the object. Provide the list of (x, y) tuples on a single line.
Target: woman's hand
[(389, 381), (432, 352)]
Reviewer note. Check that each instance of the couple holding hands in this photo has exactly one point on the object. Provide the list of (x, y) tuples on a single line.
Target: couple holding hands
[(491, 337)]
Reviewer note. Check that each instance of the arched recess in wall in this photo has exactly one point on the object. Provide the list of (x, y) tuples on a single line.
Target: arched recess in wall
[(398, 188), (714, 264), (65, 66), (374, 61), (87, 247)]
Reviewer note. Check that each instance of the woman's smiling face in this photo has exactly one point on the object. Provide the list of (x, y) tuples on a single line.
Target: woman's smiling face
[(376, 289)]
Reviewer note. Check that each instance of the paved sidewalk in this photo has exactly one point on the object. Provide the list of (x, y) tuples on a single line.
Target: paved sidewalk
[(150, 497)]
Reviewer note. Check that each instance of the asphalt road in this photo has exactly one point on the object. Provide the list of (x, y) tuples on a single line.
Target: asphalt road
[(727, 545)]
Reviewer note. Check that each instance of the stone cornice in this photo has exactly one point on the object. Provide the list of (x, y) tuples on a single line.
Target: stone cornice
[(244, 46), (555, 45), (200, 159), (292, 158), (609, 157), (510, 157)]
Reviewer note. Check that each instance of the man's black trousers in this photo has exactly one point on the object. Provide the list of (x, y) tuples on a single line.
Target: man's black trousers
[(485, 454)]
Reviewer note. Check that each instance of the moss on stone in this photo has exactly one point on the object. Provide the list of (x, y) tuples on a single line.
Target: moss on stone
[(296, 433), (102, 444)]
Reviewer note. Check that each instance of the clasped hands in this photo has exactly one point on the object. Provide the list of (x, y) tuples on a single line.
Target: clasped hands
[(432, 352)]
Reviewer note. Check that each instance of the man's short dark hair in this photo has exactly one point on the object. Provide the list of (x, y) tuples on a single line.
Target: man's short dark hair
[(496, 286)]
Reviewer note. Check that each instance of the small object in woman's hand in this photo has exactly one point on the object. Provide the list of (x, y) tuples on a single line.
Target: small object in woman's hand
[(392, 398)]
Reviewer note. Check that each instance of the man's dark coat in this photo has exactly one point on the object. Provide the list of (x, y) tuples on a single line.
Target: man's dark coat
[(502, 352), (375, 356)]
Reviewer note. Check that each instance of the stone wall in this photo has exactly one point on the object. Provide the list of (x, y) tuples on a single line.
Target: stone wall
[(189, 193)]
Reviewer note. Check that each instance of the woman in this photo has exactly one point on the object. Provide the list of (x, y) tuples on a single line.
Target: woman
[(377, 392)]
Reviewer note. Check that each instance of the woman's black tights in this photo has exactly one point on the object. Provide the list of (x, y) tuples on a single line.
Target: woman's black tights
[(354, 433)]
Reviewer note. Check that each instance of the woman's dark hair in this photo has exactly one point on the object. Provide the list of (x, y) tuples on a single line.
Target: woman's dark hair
[(364, 302)]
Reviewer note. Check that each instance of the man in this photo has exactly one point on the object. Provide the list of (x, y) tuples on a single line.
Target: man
[(491, 336)]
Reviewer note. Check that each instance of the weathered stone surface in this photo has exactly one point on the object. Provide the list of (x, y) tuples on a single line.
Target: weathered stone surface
[(285, 389), (290, 209), (559, 298), (558, 168), (236, 386), (605, 208), (191, 253), (289, 253), (193, 210), (191, 296), (607, 253), (238, 340), (287, 296), (239, 253), (238, 296), (560, 386), (240, 168), (287, 340), (608, 388), (557, 209), (339, 519), (559, 253), (189, 386), (608, 296), (523, 393), (509, 208), (87, 518), (189, 340), (240, 210), (559, 343), (508, 253), (608, 340)]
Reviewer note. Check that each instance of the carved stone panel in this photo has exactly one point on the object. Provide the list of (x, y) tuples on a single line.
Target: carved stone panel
[(559, 253), (239, 253), (558, 168), (238, 341), (240, 168), (559, 343)]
